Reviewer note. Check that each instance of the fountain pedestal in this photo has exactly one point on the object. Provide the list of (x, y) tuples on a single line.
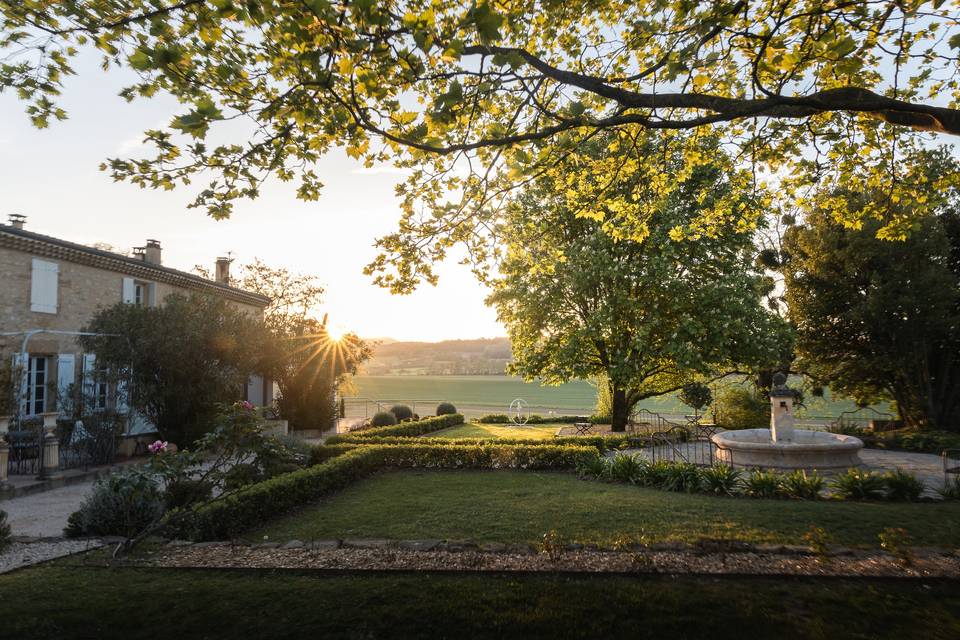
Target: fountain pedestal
[(784, 447)]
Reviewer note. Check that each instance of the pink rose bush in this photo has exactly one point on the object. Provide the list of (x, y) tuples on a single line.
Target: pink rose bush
[(159, 446)]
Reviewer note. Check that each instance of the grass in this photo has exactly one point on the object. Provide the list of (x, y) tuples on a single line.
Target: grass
[(519, 506), (66, 602), (493, 431), (493, 394)]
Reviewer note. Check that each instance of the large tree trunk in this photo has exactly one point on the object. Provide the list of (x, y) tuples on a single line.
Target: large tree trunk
[(620, 412)]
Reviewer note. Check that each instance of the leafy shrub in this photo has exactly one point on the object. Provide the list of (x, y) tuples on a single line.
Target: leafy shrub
[(762, 484), (241, 475), (738, 407), (682, 476), (185, 492), (494, 418), (5, 537), (927, 441), (122, 505), (231, 515), (903, 486), (818, 540), (595, 468), (625, 468), (800, 485), (721, 479), (654, 474), (951, 489), (446, 409), (383, 419), (402, 412), (857, 484)]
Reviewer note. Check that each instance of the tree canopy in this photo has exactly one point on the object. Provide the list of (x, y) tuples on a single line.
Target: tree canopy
[(477, 98), (879, 319), (180, 359), (646, 314)]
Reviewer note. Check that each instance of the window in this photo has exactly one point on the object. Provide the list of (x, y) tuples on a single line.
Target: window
[(43, 286), (35, 401), (100, 389), (139, 293)]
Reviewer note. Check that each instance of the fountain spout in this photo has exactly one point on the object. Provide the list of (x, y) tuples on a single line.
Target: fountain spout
[(781, 411)]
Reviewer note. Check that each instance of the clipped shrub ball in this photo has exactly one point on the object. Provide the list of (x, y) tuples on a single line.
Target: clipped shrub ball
[(402, 412), (445, 409), (383, 419)]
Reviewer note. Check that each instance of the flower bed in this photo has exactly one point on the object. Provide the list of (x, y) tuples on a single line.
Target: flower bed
[(231, 515)]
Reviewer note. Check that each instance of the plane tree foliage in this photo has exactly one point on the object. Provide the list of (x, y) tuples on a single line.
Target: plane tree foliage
[(476, 98), (878, 320), (644, 315)]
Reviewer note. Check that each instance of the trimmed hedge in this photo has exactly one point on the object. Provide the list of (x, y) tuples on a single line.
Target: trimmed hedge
[(230, 516), (502, 418), (427, 425), (601, 443)]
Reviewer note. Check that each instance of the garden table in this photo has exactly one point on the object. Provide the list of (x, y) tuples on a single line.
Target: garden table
[(583, 428)]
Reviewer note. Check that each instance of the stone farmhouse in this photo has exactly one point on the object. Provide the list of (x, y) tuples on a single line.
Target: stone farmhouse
[(51, 288)]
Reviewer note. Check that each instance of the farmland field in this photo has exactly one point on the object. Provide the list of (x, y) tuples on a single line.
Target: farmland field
[(479, 395)]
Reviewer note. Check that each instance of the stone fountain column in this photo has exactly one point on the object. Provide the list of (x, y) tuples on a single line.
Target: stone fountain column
[(781, 411)]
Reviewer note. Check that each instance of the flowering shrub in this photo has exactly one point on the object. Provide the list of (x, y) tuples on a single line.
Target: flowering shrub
[(159, 446)]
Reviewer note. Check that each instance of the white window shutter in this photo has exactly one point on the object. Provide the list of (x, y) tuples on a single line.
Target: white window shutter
[(66, 376), (43, 286), (129, 291), (152, 294)]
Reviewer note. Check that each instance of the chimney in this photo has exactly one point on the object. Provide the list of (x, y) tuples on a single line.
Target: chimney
[(17, 220), (151, 252), (223, 270)]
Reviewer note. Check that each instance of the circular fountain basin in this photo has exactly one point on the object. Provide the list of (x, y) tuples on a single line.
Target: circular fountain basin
[(807, 450)]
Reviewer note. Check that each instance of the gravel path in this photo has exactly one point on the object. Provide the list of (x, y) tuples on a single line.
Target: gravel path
[(44, 515), (22, 554), (926, 563)]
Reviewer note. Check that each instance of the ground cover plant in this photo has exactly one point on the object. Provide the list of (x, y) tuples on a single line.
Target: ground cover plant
[(520, 506), (67, 601)]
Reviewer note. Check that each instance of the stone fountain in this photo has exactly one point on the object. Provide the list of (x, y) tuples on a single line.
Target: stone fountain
[(784, 447)]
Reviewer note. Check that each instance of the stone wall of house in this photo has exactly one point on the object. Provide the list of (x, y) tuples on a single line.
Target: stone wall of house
[(82, 291)]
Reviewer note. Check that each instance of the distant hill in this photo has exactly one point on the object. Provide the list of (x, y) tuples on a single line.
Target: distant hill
[(450, 357)]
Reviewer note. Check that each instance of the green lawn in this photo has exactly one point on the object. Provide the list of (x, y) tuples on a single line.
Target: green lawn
[(519, 506), (493, 431), (66, 602)]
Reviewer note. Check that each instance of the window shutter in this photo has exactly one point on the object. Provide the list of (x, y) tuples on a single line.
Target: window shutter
[(43, 286), (89, 371), (66, 376), (129, 291), (152, 294)]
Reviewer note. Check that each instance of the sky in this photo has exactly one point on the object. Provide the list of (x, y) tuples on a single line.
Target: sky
[(52, 177)]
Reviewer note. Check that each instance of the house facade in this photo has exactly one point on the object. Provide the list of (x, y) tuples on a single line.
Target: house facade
[(51, 288)]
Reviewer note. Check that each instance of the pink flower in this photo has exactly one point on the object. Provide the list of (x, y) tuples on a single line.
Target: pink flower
[(247, 405), (157, 447)]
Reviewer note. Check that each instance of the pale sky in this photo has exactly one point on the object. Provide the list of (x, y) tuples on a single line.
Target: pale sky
[(52, 177)]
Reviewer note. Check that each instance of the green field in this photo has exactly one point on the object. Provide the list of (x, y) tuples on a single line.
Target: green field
[(478, 395)]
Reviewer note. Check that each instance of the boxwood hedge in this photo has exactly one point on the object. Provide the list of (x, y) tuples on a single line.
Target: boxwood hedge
[(229, 516), (414, 428)]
